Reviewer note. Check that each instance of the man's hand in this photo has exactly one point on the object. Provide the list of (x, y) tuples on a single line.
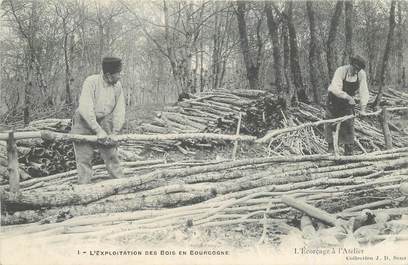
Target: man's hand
[(351, 101), (106, 140), (363, 111), (102, 137), (101, 134)]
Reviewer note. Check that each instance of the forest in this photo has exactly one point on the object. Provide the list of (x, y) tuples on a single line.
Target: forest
[(289, 48)]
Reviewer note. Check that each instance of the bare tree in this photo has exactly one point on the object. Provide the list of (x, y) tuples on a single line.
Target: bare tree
[(386, 54), (274, 36), (314, 56), (331, 50), (252, 63), (221, 37), (294, 55), (66, 14), (290, 88), (348, 11), (400, 48), (27, 31)]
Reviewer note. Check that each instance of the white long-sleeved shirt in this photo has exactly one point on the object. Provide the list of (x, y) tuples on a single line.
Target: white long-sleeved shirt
[(99, 99), (336, 85)]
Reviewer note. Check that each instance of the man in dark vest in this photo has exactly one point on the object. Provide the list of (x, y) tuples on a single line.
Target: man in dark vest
[(348, 80), (101, 112)]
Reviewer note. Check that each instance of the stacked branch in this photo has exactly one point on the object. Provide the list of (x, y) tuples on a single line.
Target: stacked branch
[(212, 113)]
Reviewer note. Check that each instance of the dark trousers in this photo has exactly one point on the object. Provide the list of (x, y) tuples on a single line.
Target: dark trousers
[(346, 133), (84, 150)]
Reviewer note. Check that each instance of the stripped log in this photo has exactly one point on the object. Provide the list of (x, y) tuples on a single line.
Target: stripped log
[(274, 133), (88, 193), (310, 210), (234, 151)]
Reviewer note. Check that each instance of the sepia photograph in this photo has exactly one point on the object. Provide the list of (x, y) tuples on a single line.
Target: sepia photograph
[(189, 132)]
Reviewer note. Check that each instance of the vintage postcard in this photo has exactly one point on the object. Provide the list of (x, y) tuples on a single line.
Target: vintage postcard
[(203, 132)]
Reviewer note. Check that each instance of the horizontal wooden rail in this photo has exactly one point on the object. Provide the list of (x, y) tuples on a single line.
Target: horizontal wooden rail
[(55, 136), (21, 135)]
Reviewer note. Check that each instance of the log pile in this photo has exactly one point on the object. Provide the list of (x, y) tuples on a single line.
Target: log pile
[(358, 195), (212, 111), (216, 192)]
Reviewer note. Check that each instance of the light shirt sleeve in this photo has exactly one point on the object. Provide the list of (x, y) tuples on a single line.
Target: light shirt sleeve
[(336, 85), (87, 107), (363, 89), (118, 113)]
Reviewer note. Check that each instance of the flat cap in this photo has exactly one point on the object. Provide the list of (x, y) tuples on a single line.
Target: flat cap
[(111, 65), (358, 60)]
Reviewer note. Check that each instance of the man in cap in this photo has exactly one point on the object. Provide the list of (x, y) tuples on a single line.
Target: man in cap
[(348, 80), (101, 112)]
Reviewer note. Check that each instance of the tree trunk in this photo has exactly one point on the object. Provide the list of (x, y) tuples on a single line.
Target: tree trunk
[(273, 34), (314, 56), (294, 56), (348, 11), (286, 65), (170, 50), (28, 89), (201, 64), (215, 54), (68, 98), (331, 50), (251, 68), (386, 55), (187, 51), (369, 42), (400, 47)]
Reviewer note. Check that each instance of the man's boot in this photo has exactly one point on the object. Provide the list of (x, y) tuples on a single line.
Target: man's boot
[(348, 149), (330, 149)]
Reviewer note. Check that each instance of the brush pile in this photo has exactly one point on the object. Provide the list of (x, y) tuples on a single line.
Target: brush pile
[(4, 162), (215, 112)]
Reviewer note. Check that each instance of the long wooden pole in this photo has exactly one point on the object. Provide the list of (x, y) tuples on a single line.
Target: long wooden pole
[(12, 155), (384, 119), (336, 139), (48, 135), (138, 137), (234, 151), (274, 133)]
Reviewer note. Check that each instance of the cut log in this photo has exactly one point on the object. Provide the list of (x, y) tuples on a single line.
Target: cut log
[(310, 210), (384, 119), (234, 151)]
